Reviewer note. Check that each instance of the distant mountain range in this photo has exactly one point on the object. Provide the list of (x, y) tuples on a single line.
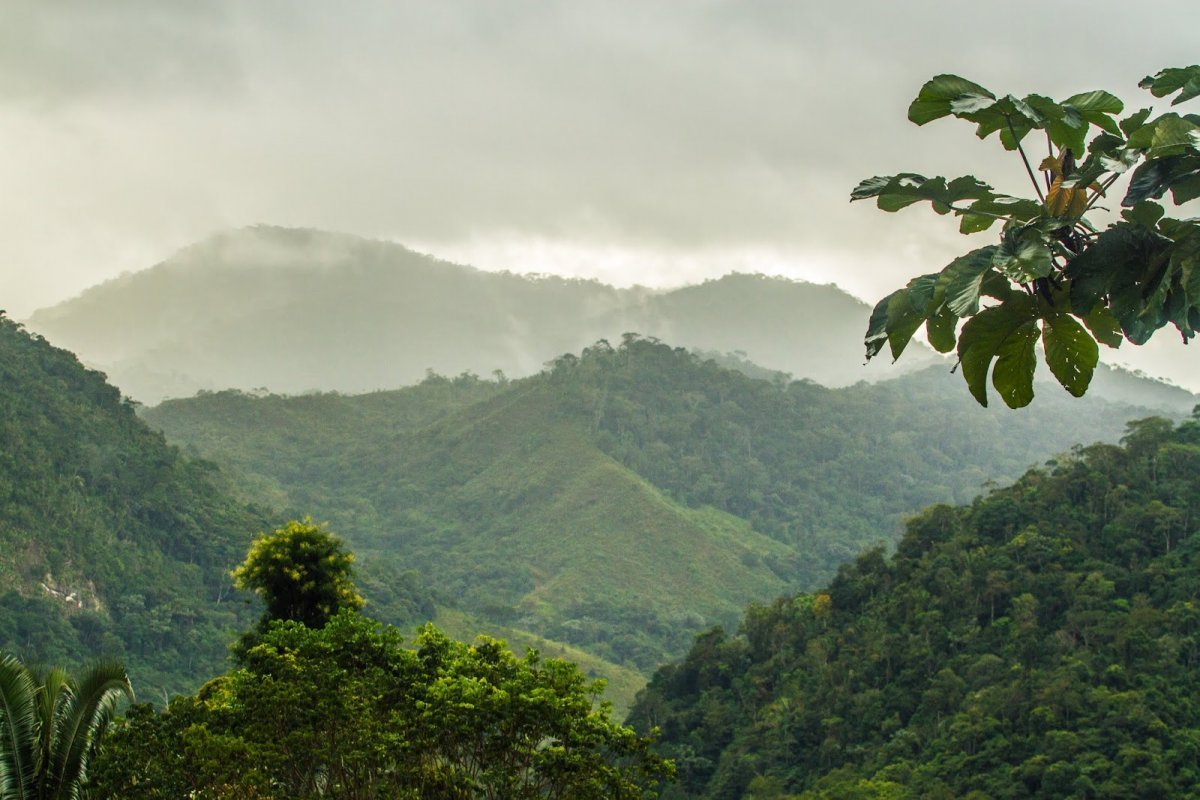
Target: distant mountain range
[(299, 310)]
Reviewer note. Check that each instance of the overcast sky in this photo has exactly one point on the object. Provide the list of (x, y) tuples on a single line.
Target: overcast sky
[(628, 140)]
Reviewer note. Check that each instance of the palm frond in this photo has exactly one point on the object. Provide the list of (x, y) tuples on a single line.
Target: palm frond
[(83, 715), (19, 730)]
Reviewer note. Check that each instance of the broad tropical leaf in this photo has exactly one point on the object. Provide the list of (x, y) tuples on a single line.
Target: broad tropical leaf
[(938, 96), (1071, 353), (963, 279), (1022, 256), (984, 337), (1168, 135), (941, 330), (1185, 80), (1016, 362)]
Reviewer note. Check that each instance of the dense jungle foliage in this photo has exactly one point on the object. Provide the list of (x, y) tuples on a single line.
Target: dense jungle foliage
[(348, 711), (630, 496), (1041, 642), (327, 703), (111, 542)]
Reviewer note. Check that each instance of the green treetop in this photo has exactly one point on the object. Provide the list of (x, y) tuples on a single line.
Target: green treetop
[(1054, 275), (301, 572)]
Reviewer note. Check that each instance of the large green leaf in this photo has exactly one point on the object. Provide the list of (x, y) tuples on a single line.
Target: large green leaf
[(1071, 353), (1065, 124), (921, 290), (1023, 256), (1184, 300), (937, 96), (876, 335), (84, 714), (1167, 135), (1176, 307), (976, 223), (1179, 174), (1185, 80), (1138, 295), (982, 339), (1108, 153), (1104, 326), (983, 213), (1016, 361), (941, 330), (1098, 108), (1186, 188), (1135, 121), (1012, 117), (1145, 213), (962, 280), (895, 192), (903, 319)]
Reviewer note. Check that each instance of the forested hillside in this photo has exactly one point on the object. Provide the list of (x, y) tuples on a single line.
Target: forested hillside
[(111, 542), (629, 496), (1041, 642)]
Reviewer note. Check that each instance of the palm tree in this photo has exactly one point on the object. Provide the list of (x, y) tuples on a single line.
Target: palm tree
[(50, 725)]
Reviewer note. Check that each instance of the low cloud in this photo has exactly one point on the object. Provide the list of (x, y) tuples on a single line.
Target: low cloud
[(680, 132)]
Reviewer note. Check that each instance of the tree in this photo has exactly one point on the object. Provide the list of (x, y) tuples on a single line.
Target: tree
[(1053, 275), (346, 711), (50, 725), (301, 572)]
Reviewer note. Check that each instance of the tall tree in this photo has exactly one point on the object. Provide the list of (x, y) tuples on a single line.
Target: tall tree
[(50, 725), (301, 572), (1054, 275)]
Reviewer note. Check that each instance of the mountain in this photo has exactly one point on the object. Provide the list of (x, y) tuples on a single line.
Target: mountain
[(1132, 386), (1041, 642), (298, 310), (628, 497), (112, 542)]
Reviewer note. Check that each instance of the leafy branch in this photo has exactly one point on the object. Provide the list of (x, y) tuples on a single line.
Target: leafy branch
[(1053, 276)]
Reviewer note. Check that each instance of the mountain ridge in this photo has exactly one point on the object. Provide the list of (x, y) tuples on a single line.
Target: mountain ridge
[(298, 310), (578, 504)]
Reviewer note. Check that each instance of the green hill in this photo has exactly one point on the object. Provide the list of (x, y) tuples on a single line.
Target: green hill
[(110, 542), (503, 506), (1041, 642), (113, 543), (628, 497)]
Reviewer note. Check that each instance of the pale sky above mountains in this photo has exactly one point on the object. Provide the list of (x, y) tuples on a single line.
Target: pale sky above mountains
[(632, 141)]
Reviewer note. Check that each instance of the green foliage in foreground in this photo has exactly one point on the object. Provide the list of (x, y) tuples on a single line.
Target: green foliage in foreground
[(1043, 642), (347, 712), (1054, 275), (51, 724)]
